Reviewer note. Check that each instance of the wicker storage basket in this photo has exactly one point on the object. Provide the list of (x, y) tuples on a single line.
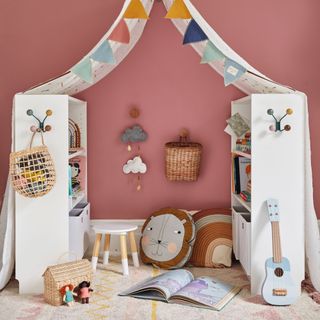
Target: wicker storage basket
[(183, 160), (55, 277), (32, 170)]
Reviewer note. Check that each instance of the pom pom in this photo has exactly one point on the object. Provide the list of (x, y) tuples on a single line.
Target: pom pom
[(29, 112), (289, 111), (272, 128), (270, 112), (287, 127), (49, 112)]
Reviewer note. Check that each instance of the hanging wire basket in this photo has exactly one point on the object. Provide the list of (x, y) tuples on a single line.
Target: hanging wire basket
[(32, 170)]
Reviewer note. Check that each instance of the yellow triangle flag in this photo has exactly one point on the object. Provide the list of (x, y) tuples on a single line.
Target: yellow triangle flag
[(135, 10), (178, 10)]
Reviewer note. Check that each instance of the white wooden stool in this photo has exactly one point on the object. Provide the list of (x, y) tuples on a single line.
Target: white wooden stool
[(117, 229)]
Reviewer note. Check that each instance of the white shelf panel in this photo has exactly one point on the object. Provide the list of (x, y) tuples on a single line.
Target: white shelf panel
[(77, 153), (242, 154), (245, 204)]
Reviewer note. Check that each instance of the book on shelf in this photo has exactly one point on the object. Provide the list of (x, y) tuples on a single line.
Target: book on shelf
[(78, 174), (245, 195), (241, 175), (236, 178), (180, 286)]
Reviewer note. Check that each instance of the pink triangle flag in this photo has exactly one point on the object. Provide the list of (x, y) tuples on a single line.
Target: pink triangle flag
[(120, 33)]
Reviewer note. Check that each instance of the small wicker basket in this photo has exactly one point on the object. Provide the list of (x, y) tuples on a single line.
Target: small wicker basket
[(55, 277), (183, 160), (32, 170)]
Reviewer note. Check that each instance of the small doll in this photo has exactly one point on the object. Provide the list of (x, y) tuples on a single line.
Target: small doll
[(67, 293), (84, 291)]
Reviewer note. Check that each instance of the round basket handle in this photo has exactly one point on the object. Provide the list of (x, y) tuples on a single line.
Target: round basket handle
[(32, 138)]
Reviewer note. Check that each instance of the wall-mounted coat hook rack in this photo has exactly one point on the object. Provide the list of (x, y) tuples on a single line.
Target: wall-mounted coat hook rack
[(277, 126), (41, 126)]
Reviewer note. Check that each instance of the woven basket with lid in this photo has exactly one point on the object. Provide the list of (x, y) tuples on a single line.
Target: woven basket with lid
[(183, 159)]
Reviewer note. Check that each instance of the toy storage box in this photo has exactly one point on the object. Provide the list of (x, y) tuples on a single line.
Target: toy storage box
[(79, 228)]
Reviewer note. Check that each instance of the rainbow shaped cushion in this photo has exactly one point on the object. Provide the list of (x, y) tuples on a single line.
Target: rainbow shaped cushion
[(213, 245)]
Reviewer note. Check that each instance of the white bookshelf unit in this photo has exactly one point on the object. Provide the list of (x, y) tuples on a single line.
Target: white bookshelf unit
[(46, 233), (277, 171)]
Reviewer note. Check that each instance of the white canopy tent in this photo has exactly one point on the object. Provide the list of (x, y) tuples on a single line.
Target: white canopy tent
[(252, 81)]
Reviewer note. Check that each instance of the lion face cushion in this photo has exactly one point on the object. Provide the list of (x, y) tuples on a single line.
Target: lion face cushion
[(167, 238)]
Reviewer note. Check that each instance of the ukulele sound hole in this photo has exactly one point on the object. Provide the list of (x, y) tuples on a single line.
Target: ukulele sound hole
[(278, 272)]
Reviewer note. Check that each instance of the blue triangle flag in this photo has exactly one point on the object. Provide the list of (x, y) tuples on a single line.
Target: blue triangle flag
[(83, 70), (194, 33), (104, 53), (232, 71), (211, 53)]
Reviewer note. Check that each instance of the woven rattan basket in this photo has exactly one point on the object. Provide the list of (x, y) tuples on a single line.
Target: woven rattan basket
[(32, 170), (55, 277), (183, 160)]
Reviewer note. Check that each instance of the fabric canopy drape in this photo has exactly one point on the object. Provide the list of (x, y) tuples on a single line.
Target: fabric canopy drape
[(251, 81)]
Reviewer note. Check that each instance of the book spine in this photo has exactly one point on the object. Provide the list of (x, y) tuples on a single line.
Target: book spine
[(237, 175)]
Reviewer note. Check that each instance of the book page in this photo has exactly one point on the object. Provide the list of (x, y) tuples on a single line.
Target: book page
[(169, 283), (205, 291)]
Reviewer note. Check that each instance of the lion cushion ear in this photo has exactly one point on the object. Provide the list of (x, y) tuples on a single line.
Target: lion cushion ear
[(167, 238)]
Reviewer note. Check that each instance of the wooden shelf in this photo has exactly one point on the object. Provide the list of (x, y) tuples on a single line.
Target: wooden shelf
[(80, 152), (245, 204), (242, 154)]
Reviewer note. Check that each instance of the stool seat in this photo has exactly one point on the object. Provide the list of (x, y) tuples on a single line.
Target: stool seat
[(122, 230), (114, 228)]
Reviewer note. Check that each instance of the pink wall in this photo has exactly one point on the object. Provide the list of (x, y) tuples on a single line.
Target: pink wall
[(165, 80)]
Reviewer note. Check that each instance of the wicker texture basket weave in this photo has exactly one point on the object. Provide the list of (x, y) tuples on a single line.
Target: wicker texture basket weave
[(55, 277), (32, 170), (183, 160)]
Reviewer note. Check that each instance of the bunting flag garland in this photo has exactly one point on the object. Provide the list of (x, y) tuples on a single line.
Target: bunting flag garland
[(232, 71), (83, 70), (135, 10), (194, 33), (178, 10), (104, 53), (120, 33), (211, 53)]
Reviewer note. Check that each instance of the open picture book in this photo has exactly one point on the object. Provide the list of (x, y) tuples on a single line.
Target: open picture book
[(179, 286)]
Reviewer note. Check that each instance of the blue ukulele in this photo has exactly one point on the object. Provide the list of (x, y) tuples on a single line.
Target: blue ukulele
[(278, 287)]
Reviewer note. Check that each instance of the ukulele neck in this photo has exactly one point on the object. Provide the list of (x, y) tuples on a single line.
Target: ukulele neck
[(276, 245)]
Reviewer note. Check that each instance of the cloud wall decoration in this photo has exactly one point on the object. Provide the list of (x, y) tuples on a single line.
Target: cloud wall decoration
[(135, 165), (134, 134)]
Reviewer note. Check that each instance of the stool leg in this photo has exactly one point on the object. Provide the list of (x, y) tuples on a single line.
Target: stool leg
[(95, 253), (124, 258), (134, 250), (106, 249)]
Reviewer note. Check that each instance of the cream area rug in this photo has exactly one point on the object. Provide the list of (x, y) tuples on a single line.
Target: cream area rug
[(106, 304)]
